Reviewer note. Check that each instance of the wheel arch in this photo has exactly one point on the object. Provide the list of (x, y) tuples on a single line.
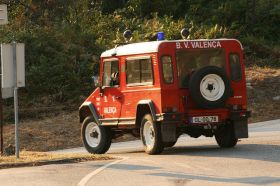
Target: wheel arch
[(88, 109), (145, 107)]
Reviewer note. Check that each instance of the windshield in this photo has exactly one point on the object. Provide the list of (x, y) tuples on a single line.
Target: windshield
[(191, 60)]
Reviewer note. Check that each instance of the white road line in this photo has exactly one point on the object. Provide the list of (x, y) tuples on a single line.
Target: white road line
[(85, 179)]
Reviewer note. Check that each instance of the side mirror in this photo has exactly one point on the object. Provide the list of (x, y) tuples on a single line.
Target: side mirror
[(96, 81), (97, 84)]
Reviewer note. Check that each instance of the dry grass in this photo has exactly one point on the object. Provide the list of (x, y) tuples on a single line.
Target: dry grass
[(28, 158), (50, 133), (47, 134), (265, 86)]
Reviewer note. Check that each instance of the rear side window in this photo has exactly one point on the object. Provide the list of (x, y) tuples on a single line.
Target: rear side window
[(235, 67), (167, 69), (139, 71), (110, 68)]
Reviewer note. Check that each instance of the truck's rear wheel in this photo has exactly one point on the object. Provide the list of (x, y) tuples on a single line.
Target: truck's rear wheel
[(97, 139), (170, 144), (151, 135), (225, 137)]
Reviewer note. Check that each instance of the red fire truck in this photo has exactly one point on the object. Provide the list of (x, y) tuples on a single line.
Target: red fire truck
[(159, 90)]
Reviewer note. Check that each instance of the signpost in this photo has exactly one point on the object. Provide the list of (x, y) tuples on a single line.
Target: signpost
[(1, 117), (12, 75), (3, 21)]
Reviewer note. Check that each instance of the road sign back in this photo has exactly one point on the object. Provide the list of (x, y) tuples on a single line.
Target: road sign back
[(8, 68), (3, 15)]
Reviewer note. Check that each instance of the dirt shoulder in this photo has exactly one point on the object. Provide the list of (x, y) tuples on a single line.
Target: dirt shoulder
[(263, 93), (28, 158), (53, 132), (60, 129)]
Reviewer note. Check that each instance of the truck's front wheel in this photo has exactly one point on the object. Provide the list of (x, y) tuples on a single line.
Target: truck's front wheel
[(97, 139), (225, 136), (151, 135)]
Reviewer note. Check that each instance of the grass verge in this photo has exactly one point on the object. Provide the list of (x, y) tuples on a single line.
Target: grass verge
[(30, 158)]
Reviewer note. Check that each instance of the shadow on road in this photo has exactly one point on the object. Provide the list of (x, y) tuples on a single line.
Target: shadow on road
[(261, 152), (129, 167), (133, 167), (245, 180)]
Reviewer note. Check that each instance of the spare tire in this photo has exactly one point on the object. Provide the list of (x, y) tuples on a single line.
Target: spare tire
[(209, 87)]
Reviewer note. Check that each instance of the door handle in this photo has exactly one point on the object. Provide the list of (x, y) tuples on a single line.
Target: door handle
[(118, 97)]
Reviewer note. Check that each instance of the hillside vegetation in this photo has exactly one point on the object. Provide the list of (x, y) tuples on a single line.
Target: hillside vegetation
[(65, 38)]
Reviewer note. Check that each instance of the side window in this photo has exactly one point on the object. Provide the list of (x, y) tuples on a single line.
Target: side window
[(235, 67), (167, 69), (111, 73), (139, 72)]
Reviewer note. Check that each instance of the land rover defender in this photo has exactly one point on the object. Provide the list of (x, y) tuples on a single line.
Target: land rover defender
[(159, 90)]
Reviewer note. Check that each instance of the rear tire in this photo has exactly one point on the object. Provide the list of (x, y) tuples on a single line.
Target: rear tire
[(151, 135), (170, 144), (225, 137), (96, 138)]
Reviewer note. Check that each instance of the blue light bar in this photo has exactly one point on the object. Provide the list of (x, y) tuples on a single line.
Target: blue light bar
[(160, 36)]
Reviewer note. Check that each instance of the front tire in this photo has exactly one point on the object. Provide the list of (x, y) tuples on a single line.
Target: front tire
[(225, 137), (151, 135), (96, 139)]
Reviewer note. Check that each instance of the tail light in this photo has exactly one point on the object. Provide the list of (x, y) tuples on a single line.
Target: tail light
[(239, 107), (244, 107), (236, 107)]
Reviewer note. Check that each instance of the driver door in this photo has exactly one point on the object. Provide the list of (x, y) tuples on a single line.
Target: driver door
[(110, 99)]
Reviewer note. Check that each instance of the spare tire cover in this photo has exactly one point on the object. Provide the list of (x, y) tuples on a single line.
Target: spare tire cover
[(209, 87)]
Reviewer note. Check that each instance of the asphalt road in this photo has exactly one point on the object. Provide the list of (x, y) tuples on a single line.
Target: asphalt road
[(254, 161)]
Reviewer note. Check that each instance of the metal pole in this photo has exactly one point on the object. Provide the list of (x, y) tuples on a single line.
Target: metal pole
[(14, 45), (1, 116)]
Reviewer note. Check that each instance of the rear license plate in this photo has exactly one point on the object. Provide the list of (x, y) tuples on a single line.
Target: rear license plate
[(205, 119)]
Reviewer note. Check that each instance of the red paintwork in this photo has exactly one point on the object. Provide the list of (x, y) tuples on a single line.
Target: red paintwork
[(166, 95)]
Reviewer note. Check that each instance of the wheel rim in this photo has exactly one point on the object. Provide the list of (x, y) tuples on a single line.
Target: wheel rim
[(212, 87), (149, 135), (92, 134)]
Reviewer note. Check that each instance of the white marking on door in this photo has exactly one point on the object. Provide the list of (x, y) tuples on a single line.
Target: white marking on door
[(110, 110)]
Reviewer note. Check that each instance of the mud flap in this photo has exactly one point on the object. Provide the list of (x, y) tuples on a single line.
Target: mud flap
[(168, 132), (241, 128)]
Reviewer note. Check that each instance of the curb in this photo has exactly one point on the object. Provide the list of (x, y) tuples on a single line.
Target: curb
[(49, 162)]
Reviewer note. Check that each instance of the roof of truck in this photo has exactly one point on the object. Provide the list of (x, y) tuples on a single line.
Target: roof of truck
[(149, 47), (133, 48)]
